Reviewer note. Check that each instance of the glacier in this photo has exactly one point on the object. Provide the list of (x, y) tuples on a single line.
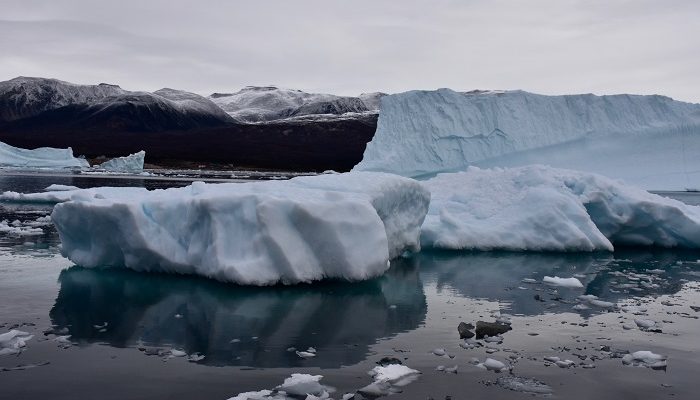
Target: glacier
[(345, 226), (648, 141), (43, 157), (539, 208), (132, 163)]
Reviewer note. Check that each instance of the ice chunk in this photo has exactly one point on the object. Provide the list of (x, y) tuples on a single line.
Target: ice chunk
[(43, 157), (424, 132), (131, 163), (330, 226), (564, 282), (547, 209), (645, 358), (304, 384), (58, 188), (494, 365), (13, 342), (15, 228), (395, 374)]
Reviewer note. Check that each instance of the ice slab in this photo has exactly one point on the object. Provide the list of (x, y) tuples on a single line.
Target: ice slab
[(43, 157), (646, 140), (131, 163), (345, 226), (539, 208)]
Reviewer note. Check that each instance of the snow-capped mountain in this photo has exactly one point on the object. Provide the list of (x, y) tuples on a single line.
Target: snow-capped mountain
[(268, 103), (36, 102)]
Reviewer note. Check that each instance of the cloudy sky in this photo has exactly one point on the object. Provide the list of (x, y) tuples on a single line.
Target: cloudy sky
[(349, 47)]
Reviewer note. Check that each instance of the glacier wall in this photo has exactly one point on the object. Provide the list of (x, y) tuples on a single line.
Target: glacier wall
[(44, 157), (644, 140)]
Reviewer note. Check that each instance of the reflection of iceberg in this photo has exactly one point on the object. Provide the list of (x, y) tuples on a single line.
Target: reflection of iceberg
[(340, 320), (498, 276)]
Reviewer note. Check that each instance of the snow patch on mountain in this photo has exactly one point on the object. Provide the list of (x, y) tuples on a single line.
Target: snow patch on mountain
[(268, 103), (646, 140)]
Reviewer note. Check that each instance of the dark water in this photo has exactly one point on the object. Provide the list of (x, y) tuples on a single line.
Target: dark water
[(123, 324)]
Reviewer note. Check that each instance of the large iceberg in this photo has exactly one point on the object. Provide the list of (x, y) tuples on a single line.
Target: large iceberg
[(649, 141), (546, 209), (43, 157), (131, 163), (344, 226)]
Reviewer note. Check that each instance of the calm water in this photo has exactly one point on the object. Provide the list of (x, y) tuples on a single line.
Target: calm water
[(122, 324)]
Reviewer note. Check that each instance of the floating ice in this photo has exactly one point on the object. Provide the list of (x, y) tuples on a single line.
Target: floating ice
[(13, 342), (58, 188), (563, 282), (494, 365), (131, 163), (396, 374), (329, 226), (297, 386), (16, 228), (525, 385), (645, 358), (43, 157), (546, 209), (424, 132), (61, 196)]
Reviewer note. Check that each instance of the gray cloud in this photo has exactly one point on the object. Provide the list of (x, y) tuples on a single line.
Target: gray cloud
[(347, 47)]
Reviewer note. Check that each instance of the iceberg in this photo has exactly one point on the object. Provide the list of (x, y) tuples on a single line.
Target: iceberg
[(43, 157), (540, 208), (648, 141), (131, 163), (343, 226)]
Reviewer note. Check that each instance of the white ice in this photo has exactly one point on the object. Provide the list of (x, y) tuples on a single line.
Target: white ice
[(547, 209), (649, 141), (131, 163), (563, 282), (43, 157), (344, 226), (13, 342), (58, 188), (395, 374)]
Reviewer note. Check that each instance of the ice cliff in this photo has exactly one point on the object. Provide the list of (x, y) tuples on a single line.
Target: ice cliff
[(645, 140), (344, 226), (131, 163), (44, 157)]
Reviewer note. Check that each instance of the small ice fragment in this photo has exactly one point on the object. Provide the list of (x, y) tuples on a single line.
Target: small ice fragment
[(563, 282), (305, 354), (494, 365), (439, 352)]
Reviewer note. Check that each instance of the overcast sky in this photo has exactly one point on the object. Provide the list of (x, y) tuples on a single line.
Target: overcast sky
[(349, 47)]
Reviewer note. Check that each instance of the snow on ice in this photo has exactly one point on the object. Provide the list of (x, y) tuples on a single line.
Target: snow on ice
[(645, 140), (43, 157), (131, 163), (547, 209), (330, 226), (13, 342)]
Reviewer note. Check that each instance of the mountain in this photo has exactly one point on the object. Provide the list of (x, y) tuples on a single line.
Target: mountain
[(292, 130), (649, 141), (35, 104), (255, 104)]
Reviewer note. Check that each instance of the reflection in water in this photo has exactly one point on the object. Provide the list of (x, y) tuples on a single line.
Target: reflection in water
[(341, 320), (498, 276)]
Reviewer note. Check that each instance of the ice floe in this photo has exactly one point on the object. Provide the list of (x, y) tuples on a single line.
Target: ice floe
[(547, 209), (645, 358), (13, 342), (297, 386), (344, 226)]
